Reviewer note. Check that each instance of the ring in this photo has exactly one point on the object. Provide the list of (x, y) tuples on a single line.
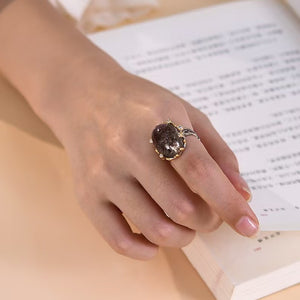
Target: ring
[(169, 140)]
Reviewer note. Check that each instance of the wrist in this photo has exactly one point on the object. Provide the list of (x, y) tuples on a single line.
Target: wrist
[(53, 65), (41, 51)]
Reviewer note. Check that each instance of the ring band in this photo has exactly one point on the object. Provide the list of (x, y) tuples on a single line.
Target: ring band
[(169, 140)]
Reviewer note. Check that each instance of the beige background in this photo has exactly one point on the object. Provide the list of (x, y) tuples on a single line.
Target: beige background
[(48, 249)]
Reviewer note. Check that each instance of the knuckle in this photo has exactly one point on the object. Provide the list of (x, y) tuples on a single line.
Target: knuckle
[(183, 211), (115, 138), (115, 142), (120, 154), (178, 110), (168, 106), (167, 235), (197, 169), (122, 245), (157, 115), (157, 110), (175, 106), (162, 232)]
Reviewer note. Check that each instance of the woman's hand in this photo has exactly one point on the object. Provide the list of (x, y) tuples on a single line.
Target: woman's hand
[(104, 117), (105, 123)]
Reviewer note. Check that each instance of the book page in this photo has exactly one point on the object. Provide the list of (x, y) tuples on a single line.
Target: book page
[(295, 5), (243, 259), (240, 64)]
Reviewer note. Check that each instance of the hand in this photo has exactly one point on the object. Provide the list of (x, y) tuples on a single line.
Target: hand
[(105, 125), (104, 117)]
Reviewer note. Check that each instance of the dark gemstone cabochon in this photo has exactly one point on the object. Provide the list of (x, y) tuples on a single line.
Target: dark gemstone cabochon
[(165, 135)]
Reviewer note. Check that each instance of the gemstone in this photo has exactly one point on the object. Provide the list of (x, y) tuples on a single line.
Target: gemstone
[(166, 140)]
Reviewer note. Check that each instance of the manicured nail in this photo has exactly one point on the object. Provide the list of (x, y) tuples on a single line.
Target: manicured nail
[(246, 226), (246, 194), (245, 190)]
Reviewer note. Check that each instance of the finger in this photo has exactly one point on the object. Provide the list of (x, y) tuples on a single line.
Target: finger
[(148, 217), (113, 227), (171, 193), (218, 149), (203, 176)]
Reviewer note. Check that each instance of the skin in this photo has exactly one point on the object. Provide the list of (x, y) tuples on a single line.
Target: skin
[(104, 117)]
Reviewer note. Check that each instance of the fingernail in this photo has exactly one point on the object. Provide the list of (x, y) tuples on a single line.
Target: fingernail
[(246, 226), (246, 194), (245, 190)]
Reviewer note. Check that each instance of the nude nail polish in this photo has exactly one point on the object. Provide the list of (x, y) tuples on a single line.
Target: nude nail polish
[(247, 194), (246, 226), (244, 189)]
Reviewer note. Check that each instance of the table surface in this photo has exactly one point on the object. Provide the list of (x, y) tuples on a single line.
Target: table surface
[(48, 248)]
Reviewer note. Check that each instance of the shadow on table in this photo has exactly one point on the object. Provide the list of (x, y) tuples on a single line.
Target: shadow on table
[(186, 279), (15, 111)]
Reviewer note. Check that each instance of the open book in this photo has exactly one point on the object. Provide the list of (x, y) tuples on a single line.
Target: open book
[(240, 64)]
